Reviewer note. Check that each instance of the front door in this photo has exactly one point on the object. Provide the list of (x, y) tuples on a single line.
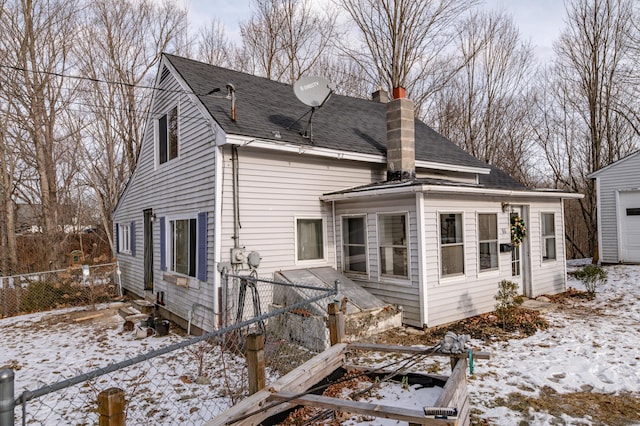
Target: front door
[(148, 250), (516, 254)]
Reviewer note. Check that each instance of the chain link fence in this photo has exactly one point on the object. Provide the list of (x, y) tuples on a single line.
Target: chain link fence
[(173, 379), (75, 286)]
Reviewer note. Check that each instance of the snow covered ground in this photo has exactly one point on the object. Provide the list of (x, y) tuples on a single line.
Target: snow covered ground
[(591, 347)]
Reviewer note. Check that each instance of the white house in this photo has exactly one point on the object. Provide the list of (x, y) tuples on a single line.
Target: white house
[(618, 204), (375, 194)]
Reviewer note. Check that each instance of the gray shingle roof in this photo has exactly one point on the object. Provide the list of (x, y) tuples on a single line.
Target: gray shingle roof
[(264, 106)]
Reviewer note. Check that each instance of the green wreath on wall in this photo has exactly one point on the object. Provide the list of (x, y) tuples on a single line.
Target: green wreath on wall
[(518, 230)]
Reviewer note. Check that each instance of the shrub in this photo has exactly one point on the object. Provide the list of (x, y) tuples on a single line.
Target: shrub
[(591, 276), (508, 301)]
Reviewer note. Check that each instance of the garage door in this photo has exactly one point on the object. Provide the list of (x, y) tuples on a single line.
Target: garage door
[(630, 226)]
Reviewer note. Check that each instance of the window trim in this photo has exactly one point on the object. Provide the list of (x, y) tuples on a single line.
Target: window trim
[(544, 238), (124, 238), (496, 241), (462, 274), (362, 216), (391, 277), (324, 239), (169, 110), (169, 245)]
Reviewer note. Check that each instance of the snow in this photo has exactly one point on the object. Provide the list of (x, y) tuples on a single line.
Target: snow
[(589, 346)]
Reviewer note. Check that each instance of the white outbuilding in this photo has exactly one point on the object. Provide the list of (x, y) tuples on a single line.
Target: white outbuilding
[(618, 201)]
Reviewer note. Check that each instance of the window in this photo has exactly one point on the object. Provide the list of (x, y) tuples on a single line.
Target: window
[(168, 136), (124, 238), (354, 245), (310, 241), (451, 244), (548, 236), (182, 246), (488, 241), (392, 230)]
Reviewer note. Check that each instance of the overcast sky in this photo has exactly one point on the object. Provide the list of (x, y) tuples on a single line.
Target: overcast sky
[(540, 21)]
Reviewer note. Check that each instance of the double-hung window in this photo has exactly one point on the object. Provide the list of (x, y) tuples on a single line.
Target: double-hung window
[(124, 238), (182, 246), (168, 136), (309, 239), (392, 239), (354, 244), (488, 241), (451, 244), (548, 236)]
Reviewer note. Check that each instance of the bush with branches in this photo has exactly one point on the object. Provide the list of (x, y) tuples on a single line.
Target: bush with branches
[(508, 301), (591, 276)]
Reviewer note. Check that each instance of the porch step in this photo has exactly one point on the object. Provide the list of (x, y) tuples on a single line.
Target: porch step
[(127, 310), (143, 306)]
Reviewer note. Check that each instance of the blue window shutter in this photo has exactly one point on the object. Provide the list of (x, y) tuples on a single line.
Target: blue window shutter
[(202, 246), (132, 236), (163, 242), (117, 240)]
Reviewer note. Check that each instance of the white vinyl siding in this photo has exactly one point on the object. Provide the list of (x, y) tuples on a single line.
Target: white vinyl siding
[(397, 290), (616, 179), (276, 188), (456, 297), (186, 187)]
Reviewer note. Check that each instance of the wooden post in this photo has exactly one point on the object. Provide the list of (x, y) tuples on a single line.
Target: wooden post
[(111, 404), (255, 362), (336, 324)]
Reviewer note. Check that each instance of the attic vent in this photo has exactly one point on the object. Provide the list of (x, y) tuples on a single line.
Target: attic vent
[(164, 74)]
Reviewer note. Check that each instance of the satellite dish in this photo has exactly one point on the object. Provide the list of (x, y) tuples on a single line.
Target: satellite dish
[(313, 91)]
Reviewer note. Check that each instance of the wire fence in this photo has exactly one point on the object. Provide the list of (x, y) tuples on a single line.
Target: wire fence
[(75, 286), (174, 379)]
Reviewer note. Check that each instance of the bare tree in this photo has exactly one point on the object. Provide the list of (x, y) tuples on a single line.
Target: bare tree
[(484, 108), (582, 127), (119, 47), (405, 42), (213, 46), (285, 39), (37, 37)]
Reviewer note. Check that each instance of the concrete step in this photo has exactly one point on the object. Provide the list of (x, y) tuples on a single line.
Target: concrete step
[(143, 306), (126, 311)]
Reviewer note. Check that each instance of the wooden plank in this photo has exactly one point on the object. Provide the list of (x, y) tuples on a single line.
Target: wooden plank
[(457, 379), (380, 347), (365, 408), (254, 409), (88, 317)]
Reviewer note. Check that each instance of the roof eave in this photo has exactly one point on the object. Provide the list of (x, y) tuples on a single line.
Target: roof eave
[(291, 147), (449, 189)]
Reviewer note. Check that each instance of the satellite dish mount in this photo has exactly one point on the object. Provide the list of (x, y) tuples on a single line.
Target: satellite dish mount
[(313, 92)]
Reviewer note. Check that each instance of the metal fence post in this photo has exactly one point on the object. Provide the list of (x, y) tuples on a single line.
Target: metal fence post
[(7, 399), (256, 362)]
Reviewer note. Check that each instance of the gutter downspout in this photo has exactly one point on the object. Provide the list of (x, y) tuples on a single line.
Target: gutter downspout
[(335, 240), (236, 197)]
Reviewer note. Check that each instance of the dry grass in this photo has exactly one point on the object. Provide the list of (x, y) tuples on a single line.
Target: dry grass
[(598, 408)]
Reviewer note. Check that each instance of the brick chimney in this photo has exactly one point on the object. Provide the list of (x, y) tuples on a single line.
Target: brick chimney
[(380, 96), (401, 157)]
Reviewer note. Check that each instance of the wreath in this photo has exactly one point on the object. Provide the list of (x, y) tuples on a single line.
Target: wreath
[(518, 230)]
